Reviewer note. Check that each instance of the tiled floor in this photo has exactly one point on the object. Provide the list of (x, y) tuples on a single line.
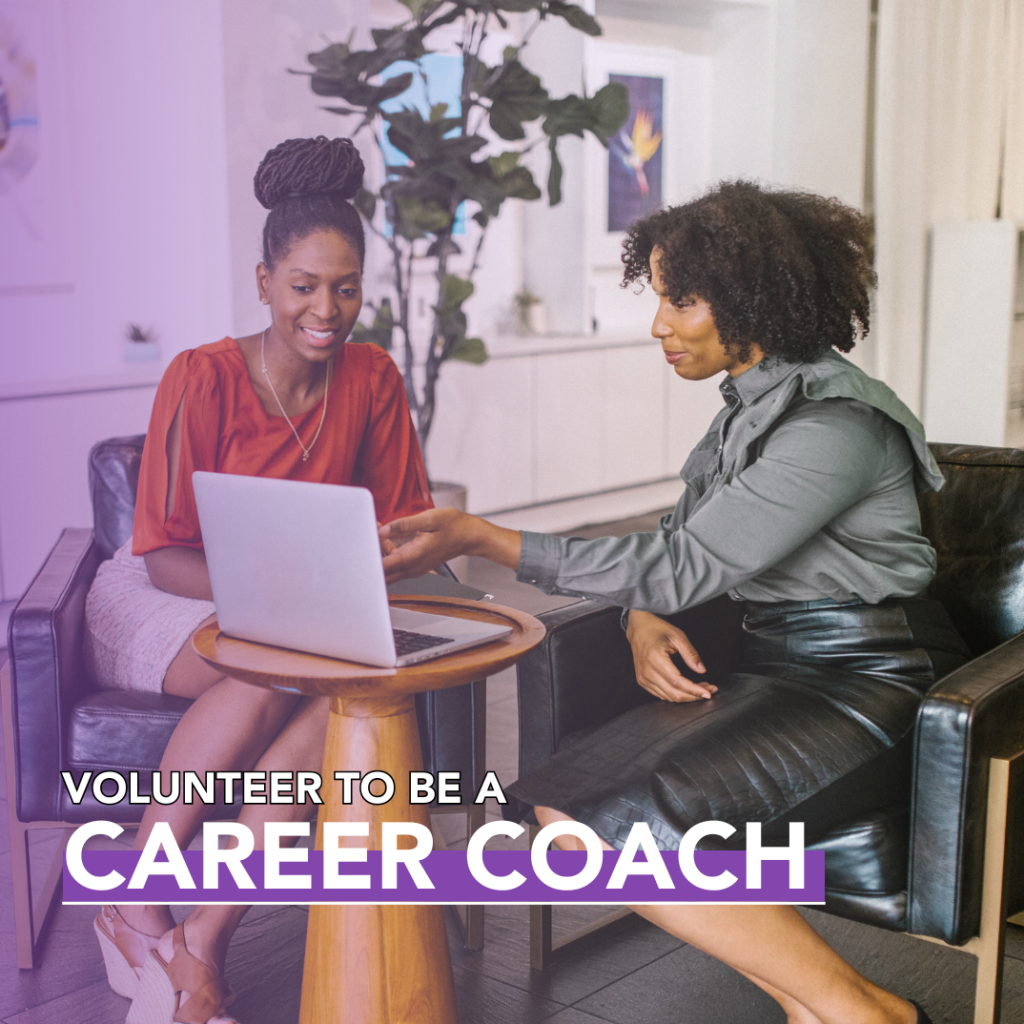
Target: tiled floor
[(641, 977)]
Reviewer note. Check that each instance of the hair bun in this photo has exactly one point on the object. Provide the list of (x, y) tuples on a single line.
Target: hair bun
[(304, 166)]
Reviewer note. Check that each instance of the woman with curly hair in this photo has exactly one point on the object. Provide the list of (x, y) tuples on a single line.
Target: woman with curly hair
[(295, 402), (801, 505)]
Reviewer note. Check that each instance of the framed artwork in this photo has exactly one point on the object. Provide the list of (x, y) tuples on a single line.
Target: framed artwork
[(35, 210), (635, 154), (662, 156)]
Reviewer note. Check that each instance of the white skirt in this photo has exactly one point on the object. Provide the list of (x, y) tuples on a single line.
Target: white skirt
[(134, 630)]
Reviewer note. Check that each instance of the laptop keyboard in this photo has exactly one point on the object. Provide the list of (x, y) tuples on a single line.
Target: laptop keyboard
[(410, 643)]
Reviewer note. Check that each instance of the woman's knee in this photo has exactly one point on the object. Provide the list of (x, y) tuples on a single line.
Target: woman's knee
[(188, 675)]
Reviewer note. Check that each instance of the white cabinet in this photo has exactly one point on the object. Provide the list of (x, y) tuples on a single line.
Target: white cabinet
[(635, 415), (483, 434), (569, 453), (550, 419)]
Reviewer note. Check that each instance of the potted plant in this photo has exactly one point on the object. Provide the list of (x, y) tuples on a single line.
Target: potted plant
[(140, 345), (451, 162)]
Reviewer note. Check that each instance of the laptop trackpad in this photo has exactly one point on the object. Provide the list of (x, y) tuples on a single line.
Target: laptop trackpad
[(437, 625)]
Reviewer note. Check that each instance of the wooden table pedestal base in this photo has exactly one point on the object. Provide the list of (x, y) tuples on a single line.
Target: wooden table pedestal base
[(369, 964)]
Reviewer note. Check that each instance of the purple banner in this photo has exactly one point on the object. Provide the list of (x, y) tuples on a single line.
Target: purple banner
[(453, 877)]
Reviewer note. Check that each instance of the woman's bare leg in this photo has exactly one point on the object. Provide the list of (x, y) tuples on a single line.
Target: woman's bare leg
[(227, 728), (232, 726), (298, 747), (779, 951)]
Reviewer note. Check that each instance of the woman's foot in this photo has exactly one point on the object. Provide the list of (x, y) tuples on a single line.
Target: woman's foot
[(124, 950), (176, 986)]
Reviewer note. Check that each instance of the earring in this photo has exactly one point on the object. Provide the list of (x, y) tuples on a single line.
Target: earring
[(266, 302)]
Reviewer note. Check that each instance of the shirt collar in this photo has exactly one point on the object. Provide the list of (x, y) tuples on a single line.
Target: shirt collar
[(750, 385)]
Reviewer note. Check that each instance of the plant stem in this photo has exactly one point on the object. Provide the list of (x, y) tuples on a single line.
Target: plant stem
[(436, 353), (475, 265), (407, 372)]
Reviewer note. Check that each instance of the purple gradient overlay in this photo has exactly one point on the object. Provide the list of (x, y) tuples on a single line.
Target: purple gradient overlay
[(453, 881)]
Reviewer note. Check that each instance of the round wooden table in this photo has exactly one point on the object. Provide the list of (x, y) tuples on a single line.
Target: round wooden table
[(370, 964)]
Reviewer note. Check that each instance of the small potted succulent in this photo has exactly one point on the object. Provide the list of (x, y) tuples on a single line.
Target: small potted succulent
[(140, 345)]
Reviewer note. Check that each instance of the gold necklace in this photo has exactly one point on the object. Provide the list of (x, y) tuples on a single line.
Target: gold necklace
[(323, 414)]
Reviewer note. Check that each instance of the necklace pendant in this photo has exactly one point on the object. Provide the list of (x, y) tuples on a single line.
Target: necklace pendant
[(305, 456)]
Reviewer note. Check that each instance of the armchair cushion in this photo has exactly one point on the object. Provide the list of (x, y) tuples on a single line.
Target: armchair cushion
[(866, 868), (122, 730)]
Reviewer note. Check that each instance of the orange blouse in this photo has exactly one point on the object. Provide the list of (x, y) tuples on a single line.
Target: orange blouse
[(367, 440)]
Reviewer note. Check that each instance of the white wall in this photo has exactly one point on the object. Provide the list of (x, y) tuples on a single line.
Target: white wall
[(821, 96), (144, 98), (143, 108)]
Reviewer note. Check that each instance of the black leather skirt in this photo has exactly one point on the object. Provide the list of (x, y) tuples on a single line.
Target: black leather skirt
[(814, 724)]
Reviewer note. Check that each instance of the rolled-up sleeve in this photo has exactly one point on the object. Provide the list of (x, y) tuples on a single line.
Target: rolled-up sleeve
[(816, 462)]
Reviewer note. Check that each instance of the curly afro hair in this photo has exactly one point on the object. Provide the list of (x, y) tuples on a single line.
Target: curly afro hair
[(788, 271)]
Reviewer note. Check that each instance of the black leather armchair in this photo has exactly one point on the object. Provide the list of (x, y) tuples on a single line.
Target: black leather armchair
[(947, 865), (55, 719)]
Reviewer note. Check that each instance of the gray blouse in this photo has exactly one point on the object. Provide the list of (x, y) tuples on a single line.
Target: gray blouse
[(804, 487)]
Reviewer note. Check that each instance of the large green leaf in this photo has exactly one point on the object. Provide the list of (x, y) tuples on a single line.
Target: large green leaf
[(469, 350), (554, 175), (503, 163), (516, 96), (609, 108), (425, 142), (348, 86), (454, 292), (331, 57), (366, 203), (443, 244), (602, 114), (575, 16), (516, 182), (345, 111), (398, 43), (519, 184), (415, 6), (569, 115), (513, 81), (417, 217), (504, 122)]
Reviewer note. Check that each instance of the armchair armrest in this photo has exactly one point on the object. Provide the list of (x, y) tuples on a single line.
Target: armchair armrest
[(44, 645), (580, 676), (975, 713)]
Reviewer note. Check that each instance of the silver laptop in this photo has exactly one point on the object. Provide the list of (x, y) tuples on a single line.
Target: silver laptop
[(298, 565)]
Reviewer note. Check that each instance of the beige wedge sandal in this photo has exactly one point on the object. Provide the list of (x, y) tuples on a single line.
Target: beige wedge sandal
[(124, 950), (158, 997)]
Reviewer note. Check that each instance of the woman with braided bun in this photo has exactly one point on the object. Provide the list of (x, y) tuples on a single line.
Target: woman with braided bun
[(293, 402)]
